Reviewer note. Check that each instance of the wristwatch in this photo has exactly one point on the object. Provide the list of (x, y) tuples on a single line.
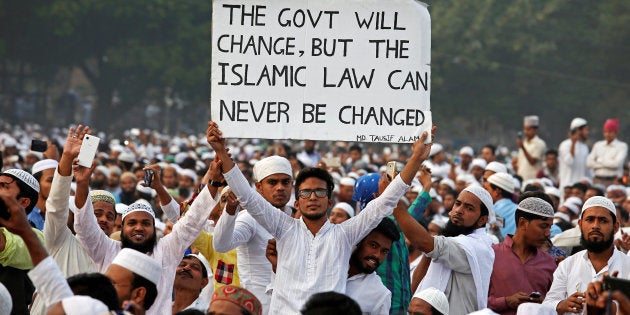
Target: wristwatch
[(217, 184)]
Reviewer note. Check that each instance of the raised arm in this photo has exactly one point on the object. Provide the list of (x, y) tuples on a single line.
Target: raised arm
[(384, 204), (266, 214), (55, 226), (46, 276)]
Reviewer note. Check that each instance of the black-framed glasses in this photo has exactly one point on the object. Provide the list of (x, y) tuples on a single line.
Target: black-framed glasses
[(319, 193)]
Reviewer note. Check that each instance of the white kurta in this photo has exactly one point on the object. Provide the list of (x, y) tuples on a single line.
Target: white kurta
[(572, 168), (576, 272), (50, 282), (241, 231), (60, 243), (308, 263), (536, 148), (370, 293), (168, 251)]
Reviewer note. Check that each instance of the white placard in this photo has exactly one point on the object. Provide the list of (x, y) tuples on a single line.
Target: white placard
[(350, 70)]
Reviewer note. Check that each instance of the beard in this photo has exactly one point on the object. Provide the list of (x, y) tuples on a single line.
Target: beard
[(314, 216), (144, 247), (454, 230), (597, 246), (358, 263)]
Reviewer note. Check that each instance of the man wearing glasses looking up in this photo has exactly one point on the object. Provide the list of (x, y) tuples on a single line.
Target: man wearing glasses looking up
[(313, 253)]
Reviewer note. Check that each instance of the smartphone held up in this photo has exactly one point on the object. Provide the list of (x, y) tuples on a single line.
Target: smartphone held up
[(88, 150)]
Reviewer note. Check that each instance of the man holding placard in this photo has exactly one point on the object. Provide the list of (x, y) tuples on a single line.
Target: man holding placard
[(313, 254)]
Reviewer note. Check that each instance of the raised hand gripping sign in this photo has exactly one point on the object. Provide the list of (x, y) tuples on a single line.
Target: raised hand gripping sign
[(355, 70)]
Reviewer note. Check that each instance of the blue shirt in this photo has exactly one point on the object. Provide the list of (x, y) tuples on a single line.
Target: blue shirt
[(36, 218), (506, 208)]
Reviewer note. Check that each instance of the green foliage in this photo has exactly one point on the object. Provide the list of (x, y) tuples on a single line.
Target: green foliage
[(496, 61)]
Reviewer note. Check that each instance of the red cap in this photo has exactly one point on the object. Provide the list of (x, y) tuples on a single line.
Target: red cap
[(611, 124)]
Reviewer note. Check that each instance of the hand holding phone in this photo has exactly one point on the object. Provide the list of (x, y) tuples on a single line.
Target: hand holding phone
[(88, 150), (148, 177), (391, 170)]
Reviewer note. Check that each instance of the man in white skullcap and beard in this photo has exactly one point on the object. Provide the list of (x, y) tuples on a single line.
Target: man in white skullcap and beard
[(531, 149), (274, 181), (138, 232), (598, 224), (462, 257), (135, 277)]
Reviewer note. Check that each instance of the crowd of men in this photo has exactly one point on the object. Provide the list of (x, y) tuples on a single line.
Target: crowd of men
[(201, 224)]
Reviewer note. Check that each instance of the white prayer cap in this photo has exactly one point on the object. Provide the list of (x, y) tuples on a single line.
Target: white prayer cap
[(502, 180), (577, 123), (139, 263), (189, 173), (619, 188), (354, 175), (530, 308), (599, 201), (435, 297), (416, 188), (204, 262), (44, 165), (24, 177), (573, 203), (146, 190), (479, 162), (440, 221), (272, 165), (127, 157), (434, 195), (553, 191), (485, 198), (224, 191), (546, 182), (103, 169), (115, 169), (102, 195), (139, 206), (466, 151), (448, 182), (207, 156), (345, 207), (180, 157), (347, 181), (10, 142), (561, 216), (496, 167), (435, 149), (465, 177), (83, 305), (6, 304), (531, 121), (536, 206), (121, 208)]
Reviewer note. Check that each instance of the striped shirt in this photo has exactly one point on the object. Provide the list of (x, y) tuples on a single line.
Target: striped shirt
[(308, 263)]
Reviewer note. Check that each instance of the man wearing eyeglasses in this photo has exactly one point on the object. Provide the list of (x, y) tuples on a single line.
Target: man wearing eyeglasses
[(313, 253), (274, 180)]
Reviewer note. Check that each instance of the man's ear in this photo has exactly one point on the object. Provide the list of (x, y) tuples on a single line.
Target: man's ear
[(482, 221), (258, 185), (330, 203), (204, 282), (24, 202), (138, 295)]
